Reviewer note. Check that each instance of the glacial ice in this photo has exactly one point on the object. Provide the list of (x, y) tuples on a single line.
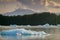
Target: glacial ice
[(25, 32)]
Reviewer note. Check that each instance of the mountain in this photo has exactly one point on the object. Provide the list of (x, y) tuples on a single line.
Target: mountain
[(19, 12)]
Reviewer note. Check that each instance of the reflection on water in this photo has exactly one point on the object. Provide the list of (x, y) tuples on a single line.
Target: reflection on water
[(51, 37), (9, 38), (20, 37)]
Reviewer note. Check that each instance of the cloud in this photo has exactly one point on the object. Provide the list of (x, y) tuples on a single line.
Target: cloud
[(7, 0), (34, 5), (22, 6), (54, 4), (53, 7), (41, 5), (8, 6)]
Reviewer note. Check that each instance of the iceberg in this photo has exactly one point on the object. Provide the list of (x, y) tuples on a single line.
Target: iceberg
[(14, 32), (19, 32)]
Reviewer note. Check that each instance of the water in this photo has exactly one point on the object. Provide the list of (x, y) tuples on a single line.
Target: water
[(20, 37), (9, 38)]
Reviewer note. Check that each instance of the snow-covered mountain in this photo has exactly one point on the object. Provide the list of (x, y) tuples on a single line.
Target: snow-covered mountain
[(19, 12)]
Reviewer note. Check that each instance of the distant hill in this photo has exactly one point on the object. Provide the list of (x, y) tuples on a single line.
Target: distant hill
[(19, 12), (32, 19)]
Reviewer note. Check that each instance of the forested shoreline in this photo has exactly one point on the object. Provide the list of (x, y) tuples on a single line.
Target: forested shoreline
[(32, 19)]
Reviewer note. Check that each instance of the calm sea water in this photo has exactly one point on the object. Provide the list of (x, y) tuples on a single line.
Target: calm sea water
[(9, 38), (20, 37), (29, 38)]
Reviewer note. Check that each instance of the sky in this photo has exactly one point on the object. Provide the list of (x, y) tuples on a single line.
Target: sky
[(33, 5)]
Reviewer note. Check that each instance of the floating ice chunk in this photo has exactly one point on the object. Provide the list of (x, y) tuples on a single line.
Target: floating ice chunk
[(23, 32)]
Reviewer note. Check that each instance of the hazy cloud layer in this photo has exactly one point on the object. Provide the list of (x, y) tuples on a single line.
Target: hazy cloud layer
[(7, 6), (34, 5)]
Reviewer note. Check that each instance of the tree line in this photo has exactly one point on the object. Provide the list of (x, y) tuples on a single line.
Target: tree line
[(32, 19)]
